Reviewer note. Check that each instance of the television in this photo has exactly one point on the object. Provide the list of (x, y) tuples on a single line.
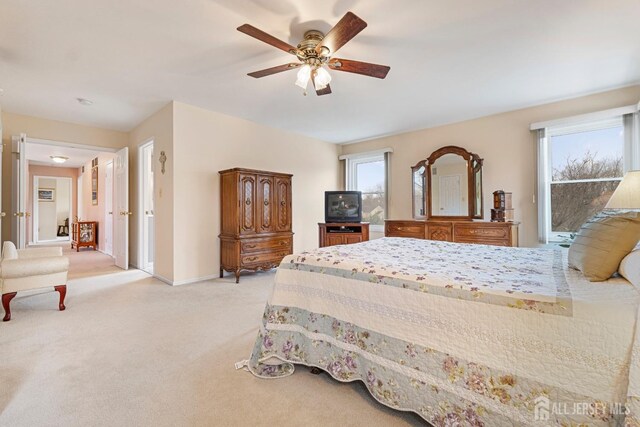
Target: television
[(342, 206)]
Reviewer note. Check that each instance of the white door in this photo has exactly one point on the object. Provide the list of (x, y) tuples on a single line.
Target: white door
[(121, 202), (108, 209), (2, 214), (147, 226), (449, 195), (19, 193)]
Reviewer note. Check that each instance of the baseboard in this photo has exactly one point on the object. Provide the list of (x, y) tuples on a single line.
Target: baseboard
[(163, 279), (185, 282), (103, 252)]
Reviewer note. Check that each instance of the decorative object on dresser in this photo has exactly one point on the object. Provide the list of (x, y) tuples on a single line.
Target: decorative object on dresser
[(342, 233), (256, 220), (502, 207), (480, 232), (84, 234)]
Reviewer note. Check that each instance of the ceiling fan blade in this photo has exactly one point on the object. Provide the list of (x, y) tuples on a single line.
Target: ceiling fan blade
[(267, 38), (274, 70), (358, 67), (320, 92), (338, 36)]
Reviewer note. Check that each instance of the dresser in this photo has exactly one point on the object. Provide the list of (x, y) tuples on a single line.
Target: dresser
[(255, 231), (341, 233), (84, 234), (480, 232)]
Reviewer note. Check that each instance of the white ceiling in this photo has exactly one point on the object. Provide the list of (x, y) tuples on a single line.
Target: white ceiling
[(39, 154), (450, 60)]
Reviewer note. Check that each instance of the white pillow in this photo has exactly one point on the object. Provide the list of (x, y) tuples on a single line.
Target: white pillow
[(630, 267)]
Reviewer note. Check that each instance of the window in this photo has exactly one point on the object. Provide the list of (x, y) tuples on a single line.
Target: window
[(580, 164), (368, 173), (586, 167)]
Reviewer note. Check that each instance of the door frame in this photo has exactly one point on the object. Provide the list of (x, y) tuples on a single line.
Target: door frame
[(108, 191), (142, 265), (35, 220)]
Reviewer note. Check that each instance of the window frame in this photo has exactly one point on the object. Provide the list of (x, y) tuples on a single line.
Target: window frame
[(351, 180), (557, 237)]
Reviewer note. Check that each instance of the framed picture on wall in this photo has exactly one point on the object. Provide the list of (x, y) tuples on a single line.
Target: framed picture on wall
[(46, 195), (94, 181)]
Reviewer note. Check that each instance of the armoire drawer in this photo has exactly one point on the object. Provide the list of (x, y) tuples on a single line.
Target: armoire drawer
[(262, 258), (269, 244)]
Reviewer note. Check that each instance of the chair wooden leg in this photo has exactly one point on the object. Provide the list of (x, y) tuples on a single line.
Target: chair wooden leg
[(6, 301), (63, 292)]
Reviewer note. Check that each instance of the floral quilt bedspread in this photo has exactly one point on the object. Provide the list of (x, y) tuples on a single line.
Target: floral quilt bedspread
[(463, 335), (529, 279)]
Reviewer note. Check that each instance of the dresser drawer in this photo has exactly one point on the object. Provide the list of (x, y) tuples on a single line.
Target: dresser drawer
[(263, 258), (405, 229), (464, 232), (260, 245), (500, 242)]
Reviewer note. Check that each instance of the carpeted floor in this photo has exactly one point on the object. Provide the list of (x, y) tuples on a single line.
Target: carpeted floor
[(130, 350)]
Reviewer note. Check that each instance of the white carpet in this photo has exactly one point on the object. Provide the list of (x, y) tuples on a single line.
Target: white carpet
[(130, 350)]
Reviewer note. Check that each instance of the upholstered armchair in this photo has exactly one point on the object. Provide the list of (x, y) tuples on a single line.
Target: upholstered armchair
[(34, 268)]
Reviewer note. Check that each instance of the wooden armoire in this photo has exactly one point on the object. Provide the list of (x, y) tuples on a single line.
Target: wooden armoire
[(256, 220)]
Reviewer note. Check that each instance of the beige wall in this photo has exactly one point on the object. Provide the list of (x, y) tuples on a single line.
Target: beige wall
[(159, 128), (206, 142), (505, 143), (50, 171), (34, 127), (91, 212)]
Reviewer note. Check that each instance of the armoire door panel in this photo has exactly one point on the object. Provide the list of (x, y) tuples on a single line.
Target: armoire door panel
[(247, 204), (265, 204), (283, 200)]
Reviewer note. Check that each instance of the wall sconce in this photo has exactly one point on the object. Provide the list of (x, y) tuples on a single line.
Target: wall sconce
[(163, 159)]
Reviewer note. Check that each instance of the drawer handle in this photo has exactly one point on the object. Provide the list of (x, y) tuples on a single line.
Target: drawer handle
[(248, 202), (253, 258), (248, 246), (266, 203), (282, 203)]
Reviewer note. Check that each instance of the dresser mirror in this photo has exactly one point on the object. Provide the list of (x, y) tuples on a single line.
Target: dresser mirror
[(448, 185)]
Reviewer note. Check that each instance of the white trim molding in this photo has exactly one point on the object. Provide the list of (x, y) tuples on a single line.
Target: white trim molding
[(184, 282), (373, 153), (585, 118)]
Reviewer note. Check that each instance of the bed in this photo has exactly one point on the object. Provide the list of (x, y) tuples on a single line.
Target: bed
[(460, 334)]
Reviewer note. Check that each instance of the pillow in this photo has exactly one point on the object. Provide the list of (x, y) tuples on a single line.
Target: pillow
[(602, 242), (630, 267)]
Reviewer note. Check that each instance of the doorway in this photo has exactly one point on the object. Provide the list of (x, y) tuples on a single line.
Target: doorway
[(89, 164), (146, 233), (52, 209)]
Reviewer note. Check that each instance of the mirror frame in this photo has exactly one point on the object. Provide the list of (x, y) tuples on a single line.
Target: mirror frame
[(471, 159), (414, 169)]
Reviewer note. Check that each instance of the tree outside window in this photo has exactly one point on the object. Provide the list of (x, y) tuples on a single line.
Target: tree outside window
[(587, 166)]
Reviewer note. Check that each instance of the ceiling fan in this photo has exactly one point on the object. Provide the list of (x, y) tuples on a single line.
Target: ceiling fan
[(315, 51)]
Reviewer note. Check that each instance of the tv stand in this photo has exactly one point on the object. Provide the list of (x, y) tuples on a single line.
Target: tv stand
[(342, 233)]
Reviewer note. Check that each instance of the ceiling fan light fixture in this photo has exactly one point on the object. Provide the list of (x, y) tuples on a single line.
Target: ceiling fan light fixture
[(322, 78), (304, 74), (59, 159)]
